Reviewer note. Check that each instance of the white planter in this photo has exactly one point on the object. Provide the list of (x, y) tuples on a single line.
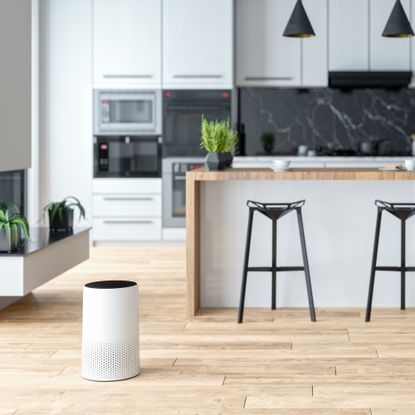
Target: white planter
[(110, 348)]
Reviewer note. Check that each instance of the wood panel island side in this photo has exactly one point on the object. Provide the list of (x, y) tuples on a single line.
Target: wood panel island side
[(339, 219)]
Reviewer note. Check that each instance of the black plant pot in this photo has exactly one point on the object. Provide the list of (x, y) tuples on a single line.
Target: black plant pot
[(61, 224), (6, 245), (268, 148), (218, 161)]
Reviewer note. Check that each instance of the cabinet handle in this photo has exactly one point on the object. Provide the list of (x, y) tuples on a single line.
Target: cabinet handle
[(268, 78), (179, 177), (201, 76), (125, 198), (138, 76), (128, 222)]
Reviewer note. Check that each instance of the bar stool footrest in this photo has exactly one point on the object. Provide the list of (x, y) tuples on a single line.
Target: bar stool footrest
[(395, 269), (277, 269)]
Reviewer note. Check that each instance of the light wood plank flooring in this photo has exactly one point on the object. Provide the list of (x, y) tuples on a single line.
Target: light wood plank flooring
[(275, 363)]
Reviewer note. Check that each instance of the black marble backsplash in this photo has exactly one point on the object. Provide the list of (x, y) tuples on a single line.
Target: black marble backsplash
[(328, 120)]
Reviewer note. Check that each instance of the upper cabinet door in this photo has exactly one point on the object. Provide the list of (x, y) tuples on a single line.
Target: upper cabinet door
[(127, 42), (387, 54), (264, 57), (197, 43), (349, 35), (315, 62)]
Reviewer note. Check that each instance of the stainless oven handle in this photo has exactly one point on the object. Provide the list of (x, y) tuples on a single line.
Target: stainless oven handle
[(128, 222), (179, 178), (137, 76), (268, 78), (119, 198), (201, 76)]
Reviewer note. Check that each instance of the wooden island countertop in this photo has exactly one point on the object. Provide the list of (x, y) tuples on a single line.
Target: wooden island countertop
[(195, 178), (299, 174)]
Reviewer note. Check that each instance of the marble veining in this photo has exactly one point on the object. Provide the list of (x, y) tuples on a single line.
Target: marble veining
[(329, 119)]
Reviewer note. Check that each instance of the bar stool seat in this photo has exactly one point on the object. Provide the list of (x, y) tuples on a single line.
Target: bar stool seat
[(402, 211), (274, 212)]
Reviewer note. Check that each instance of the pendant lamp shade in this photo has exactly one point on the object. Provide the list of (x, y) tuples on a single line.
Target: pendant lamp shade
[(398, 24), (299, 24)]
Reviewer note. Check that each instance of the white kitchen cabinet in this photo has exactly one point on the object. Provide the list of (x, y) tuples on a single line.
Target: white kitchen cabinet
[(126, 210), (127, 42), (387, 54), (197, 43), (264, 57), (314, 60), (349, 35)]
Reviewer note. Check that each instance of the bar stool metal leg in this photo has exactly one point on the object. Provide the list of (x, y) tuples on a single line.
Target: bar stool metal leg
[(245, 269), (373, 269), (274, 265), (306, 266), (403, 262)]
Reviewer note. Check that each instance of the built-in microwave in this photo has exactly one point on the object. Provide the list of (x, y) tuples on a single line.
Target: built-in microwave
[(127, 112)]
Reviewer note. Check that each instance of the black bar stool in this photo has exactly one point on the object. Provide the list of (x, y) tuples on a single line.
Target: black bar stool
[(275, 211), (402, 211)]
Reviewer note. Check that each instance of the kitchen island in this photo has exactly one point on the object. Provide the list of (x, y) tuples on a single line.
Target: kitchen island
[(339, 219)]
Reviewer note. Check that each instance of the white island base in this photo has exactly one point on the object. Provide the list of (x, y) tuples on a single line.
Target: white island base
[(339, 220)]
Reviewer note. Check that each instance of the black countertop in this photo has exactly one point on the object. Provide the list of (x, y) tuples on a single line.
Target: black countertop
[(41, 238)]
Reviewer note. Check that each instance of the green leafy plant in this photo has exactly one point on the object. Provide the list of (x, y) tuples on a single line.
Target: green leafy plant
[(10, 207), (13, 226), (267, 139), (217, 136), (59, 209)]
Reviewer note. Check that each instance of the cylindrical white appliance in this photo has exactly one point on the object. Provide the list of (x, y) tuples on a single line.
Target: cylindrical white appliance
[(110, 349)]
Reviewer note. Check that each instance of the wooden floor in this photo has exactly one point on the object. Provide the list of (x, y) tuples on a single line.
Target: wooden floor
[(276, 363)]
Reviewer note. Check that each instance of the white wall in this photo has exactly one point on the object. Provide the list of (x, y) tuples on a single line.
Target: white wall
[(65, 101), (15, 84)]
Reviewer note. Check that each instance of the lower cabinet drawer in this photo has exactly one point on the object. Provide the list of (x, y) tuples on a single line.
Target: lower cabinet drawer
[(126, 229), (127, 205)]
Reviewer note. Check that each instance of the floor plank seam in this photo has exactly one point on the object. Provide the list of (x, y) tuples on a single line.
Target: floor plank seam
[(54, 352), (312, 390), (25, 348), (335, 370), (175, 360), (60, 372), (348, 335), (223, 382)]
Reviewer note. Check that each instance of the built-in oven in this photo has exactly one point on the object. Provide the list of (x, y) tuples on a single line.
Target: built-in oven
[(174, 189), (182, 115), (127, 156), (127, 112)]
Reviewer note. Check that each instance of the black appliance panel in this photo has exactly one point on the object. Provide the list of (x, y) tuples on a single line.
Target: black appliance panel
[(127, 156), (182, 116)]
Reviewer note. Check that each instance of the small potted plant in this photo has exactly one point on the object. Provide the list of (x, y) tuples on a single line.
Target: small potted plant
[(267, 140), (11, 228), (61, 213), (220, 141)]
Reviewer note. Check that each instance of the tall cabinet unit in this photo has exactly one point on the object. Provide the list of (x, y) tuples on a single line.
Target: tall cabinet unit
[(197, 43), (385, 53), (264, 57), (314, 50), (349, 35), (127, 43)]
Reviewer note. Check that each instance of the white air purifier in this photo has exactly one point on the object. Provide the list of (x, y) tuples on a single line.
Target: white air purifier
[(110, 349)]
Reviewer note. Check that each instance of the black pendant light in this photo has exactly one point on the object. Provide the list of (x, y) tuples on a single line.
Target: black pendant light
[(398, 24), (299, 24)]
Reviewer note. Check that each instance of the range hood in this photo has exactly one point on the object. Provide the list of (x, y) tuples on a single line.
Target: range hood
[(369, 79)]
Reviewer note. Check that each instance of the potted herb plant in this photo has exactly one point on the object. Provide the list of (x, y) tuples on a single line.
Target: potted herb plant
[(11, 207), (11, 228), (267, 140), (61, 213), (219, 140)]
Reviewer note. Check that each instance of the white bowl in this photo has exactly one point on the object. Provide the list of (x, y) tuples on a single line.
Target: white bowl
[(280, 164)]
